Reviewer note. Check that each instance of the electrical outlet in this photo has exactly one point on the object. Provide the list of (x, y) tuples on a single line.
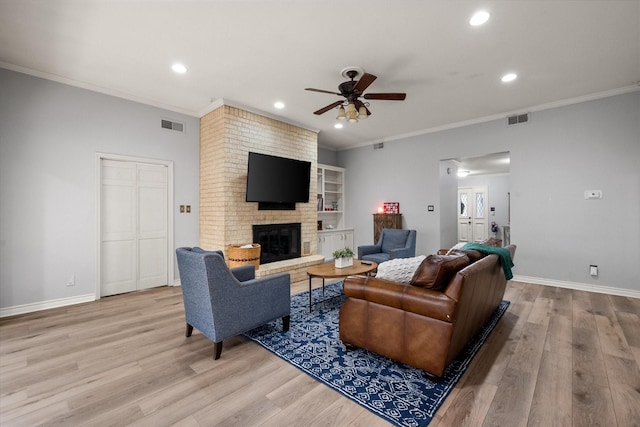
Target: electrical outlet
[(72, 280), (593, 270)]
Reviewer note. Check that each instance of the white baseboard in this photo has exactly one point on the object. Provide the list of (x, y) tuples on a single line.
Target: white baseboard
[(61, 302), (44, 305), (578, 286)]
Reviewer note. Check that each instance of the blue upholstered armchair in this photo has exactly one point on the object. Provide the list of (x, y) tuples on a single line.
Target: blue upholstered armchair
[(221, 302), (391, 244)]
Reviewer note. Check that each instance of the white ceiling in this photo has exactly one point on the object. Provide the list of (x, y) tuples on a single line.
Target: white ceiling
[(253, 53)]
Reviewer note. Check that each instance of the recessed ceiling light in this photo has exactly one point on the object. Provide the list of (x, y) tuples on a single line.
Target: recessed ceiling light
[(338, 126), (509, 77), (279, 105), (179, 68), (479, 18)]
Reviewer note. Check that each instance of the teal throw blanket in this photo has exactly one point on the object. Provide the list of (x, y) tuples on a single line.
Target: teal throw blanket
[(505, 256)]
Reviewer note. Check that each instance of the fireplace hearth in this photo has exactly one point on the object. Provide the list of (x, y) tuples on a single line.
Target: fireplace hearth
[(278, 241)]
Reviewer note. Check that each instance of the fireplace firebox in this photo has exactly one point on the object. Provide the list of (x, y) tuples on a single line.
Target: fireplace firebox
[(278, 241)]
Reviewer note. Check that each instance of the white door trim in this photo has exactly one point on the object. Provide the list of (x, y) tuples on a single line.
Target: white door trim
[(170, 222)]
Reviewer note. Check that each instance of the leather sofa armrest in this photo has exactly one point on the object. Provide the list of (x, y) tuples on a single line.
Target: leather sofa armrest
[(414, 299)]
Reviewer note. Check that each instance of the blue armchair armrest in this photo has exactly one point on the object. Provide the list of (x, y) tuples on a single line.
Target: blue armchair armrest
[(401, 253), (368, 249), (244, 272)]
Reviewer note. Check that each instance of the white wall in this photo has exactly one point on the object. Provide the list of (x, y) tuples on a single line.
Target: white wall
[(49, 136), (555, 157)]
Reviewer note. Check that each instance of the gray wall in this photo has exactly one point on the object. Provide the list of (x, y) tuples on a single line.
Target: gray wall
[(49, 136), (555, 157), (327, 157)]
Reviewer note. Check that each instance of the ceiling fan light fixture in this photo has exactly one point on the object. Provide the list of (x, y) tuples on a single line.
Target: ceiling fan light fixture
[(362, 112), (341, 114), (352, 113)]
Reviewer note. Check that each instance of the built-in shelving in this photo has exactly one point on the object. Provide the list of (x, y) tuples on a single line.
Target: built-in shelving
[(331, 211)]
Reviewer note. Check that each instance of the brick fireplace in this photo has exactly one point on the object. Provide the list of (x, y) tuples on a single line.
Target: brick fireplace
[(227, 134)]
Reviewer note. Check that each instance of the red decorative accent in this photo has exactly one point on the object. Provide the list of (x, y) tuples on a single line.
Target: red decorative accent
[(391, 207)]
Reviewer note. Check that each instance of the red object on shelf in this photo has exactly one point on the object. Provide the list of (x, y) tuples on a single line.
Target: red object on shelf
[(391, 207)]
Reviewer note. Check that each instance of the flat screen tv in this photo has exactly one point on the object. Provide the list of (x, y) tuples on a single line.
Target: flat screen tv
[(277, 182)]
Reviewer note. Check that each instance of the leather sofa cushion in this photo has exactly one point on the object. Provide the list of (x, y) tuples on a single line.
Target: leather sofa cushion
[(436, 271), (472, 254)]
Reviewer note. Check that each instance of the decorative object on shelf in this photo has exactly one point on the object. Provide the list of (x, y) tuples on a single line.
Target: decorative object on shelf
[(391, 207), (238, 255), (319, 225), (343, 258), (320, 202)]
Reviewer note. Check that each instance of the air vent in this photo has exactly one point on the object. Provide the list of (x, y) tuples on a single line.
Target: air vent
[(168, 124), (517, 119), (378, 146)]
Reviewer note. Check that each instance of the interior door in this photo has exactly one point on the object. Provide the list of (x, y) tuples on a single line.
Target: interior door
[(133, 226), (465, 224), (472, 214), (152, 226), (117, 227)]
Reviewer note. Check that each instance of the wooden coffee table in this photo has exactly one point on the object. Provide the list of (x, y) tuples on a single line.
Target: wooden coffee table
[(328, 270)]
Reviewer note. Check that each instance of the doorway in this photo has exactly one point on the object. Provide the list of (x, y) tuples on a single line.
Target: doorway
[(135, 224), (490, 171), (472, 214)]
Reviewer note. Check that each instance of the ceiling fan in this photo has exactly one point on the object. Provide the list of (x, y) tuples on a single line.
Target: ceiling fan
[(352, 108)]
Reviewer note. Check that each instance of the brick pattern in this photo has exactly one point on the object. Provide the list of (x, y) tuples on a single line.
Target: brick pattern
[(227, 134)]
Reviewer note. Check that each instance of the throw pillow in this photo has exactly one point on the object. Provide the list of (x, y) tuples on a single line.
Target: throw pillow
[(472, 254), (436, 271), (399, 269)]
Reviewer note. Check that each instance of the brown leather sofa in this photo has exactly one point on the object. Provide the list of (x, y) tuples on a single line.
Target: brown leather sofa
[(424, 328)]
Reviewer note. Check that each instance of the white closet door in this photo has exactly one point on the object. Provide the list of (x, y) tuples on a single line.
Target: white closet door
[(134, 226), (152, 226), (118, 268)]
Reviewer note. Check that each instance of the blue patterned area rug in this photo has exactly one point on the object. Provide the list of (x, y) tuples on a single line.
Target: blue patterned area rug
[(398, 393)]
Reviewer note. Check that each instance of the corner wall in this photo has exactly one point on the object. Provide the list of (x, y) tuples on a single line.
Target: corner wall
[(555, 157), (49, 135), (227, 135)]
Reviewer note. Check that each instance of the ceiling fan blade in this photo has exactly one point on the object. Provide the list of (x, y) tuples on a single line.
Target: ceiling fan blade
[(328, 107), (322, 91), (359, 104), (386, 96), (364, 82)]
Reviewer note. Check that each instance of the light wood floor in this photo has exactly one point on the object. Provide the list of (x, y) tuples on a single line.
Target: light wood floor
[(557, 358)]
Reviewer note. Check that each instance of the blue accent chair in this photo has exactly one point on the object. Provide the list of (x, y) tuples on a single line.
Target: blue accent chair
[(221, 302), (391, 244)]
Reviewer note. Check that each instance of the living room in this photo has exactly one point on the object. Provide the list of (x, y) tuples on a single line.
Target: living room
[(51, 132)]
